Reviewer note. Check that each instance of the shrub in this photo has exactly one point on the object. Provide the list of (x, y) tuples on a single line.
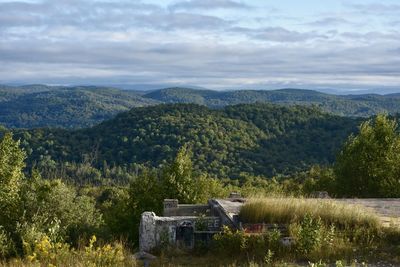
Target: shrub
[(268, 258), (7, 246), (229, 241), (48, 253), (106, 255), (260, 247), (309, 235), (57, 210), (273, 238)]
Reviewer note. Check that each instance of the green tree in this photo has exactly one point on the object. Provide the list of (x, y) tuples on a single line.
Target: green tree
[(145, 194), (11, 166), (178, 179), (57, 210), (369, 163), (116, 209), (320, 178)]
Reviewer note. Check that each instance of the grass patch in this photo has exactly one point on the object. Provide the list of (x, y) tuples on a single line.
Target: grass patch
[(287, 210)]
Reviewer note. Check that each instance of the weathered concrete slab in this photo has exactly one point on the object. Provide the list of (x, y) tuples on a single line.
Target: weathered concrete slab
[(227, 209), (388, 209), (173, 208)]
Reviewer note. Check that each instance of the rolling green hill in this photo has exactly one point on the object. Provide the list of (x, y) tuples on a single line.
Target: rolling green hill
[(344, 105), (8, 93), (260, 139), (41, 106), (34, 106)]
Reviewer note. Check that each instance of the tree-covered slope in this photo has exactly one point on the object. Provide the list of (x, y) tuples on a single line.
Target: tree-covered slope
[(64, 107), (258, 138), (344, 105), (11, 92), (33, 106)]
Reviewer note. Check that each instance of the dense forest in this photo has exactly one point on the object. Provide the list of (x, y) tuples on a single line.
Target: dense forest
[(259, 139), (75, 107), (35, 106), (344, 105)]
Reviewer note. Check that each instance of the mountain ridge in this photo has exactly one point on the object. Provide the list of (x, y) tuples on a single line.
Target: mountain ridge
[(33, 106)]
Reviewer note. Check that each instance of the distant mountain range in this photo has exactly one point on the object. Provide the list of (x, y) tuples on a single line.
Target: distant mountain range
[(65, 107), (83, 106)]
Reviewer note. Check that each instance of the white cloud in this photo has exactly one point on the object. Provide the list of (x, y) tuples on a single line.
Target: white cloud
[(79, 41), (209, 4)]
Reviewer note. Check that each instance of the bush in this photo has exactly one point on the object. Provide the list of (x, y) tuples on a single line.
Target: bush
[(45, 252), (7, 247), (48, 253), (107, 255), (230, 242), (238, 244), (57, 207), (309, 235)]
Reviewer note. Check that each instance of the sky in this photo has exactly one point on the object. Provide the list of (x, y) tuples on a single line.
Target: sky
[(216, 44)]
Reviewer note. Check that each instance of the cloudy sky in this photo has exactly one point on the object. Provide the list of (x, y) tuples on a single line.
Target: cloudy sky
[(218, 44)]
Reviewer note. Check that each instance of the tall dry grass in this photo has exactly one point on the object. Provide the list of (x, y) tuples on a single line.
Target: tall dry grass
[(286, 210)]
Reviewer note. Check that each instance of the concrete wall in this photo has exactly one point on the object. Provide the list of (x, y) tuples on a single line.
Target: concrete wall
[(155, 231)]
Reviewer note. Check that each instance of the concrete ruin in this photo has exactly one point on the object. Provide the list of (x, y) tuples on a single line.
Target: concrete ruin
[(184, 225)]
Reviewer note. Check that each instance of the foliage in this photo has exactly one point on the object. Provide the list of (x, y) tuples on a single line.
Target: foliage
[(11, 176), (145, 194), (83, 106), (177, 180), (268, 259), (115, 206), (267, 248), (33, 208), (369, 164), (74, 107), (320, 179), (11, 164), (53, 203), (259, 139), (344, 105), (309, 235), (49, 253), (313, 240), (229, 242), (106, 255), (7, 246)]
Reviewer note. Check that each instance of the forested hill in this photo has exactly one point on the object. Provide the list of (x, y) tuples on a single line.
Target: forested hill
[(74, 107), (343, 105), (33, 106), (254, 138)]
